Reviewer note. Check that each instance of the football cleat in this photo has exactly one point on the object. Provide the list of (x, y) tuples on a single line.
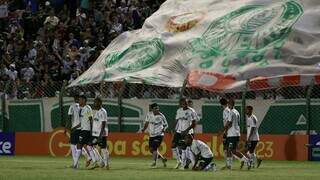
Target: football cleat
[(164, 161), (259, 162), (177, 165)]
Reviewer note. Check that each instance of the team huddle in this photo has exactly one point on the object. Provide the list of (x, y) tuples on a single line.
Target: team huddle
[(89, 129)]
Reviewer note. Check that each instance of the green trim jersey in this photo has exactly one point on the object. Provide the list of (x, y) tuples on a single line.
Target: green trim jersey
[(157, 124), (234, 131), (85, 114), (100, 116), (184, 119), (252, 122)]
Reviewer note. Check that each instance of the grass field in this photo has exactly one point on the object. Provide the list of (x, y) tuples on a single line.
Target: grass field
[(46, 168)]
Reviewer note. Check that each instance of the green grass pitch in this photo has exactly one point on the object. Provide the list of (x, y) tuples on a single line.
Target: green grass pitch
[(46, 168)]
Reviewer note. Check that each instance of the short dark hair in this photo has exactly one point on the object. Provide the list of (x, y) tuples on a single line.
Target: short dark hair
[(189, 136), (183, 99), (190, 101), (223, 101), (250, 108), (153, 105), (83, 97), (98, 99), (231, 102)]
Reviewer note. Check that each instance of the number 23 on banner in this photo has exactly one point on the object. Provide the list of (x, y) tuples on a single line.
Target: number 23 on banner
[(264, 149)]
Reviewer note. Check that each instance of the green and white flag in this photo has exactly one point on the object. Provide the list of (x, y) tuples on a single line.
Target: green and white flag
[(217, 45)]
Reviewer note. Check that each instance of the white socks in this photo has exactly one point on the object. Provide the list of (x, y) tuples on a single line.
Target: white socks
[(229, 161), (253, 158), (105, 155), (175, 153), (160, 155), (77, 157), (237, 157), (183, 158), (97, 154), (91, 153), (244, 159), (190, 156), (73, 152), (85, 153)]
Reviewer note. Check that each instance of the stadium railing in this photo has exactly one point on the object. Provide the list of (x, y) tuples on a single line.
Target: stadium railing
[(284, 110)]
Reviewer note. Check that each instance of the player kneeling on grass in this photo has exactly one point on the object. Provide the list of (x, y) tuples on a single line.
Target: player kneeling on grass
[(252, 137), (100, 133), (157, 124), (202, 154)]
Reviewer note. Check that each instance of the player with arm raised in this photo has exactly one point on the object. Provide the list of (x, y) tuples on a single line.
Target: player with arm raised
[(202, 154), (156, 124), (232, 131), (252, 136), (186, 122)]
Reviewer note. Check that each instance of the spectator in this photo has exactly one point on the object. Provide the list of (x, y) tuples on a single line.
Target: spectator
[(43, 43), (52, 19), (11, 72), (27, 73)]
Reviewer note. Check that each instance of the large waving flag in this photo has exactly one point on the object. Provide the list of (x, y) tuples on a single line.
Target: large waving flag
[(217, 45)]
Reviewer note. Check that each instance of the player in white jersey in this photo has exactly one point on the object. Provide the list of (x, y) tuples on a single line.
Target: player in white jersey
[(156, 124), (186, 119), (202, 154), (73, 123), (189, 155), (85, 114), (232, 131), (252, 137), (225, 117), (100, 133)]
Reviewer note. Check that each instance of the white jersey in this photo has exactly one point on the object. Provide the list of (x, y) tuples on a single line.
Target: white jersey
[(157, 123), (99, 117), (195, 114), (252, 123), (73, 111), (234, 130), (184, 119), (85, 113), (226, 115), (199, 147)]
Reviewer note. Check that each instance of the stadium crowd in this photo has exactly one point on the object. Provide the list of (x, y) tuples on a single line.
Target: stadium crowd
[(43, 43)]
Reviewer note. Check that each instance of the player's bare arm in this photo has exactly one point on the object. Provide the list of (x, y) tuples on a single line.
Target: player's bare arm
[(67, 124), (196, 159), (91, 123), (146, 124), (174, 126), (103, 125), (227, 127)]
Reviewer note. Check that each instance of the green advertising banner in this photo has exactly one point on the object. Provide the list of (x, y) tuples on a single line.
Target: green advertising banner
[(274, 116)]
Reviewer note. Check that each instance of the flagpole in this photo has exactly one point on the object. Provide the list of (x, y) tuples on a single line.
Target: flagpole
[(183, 88)]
